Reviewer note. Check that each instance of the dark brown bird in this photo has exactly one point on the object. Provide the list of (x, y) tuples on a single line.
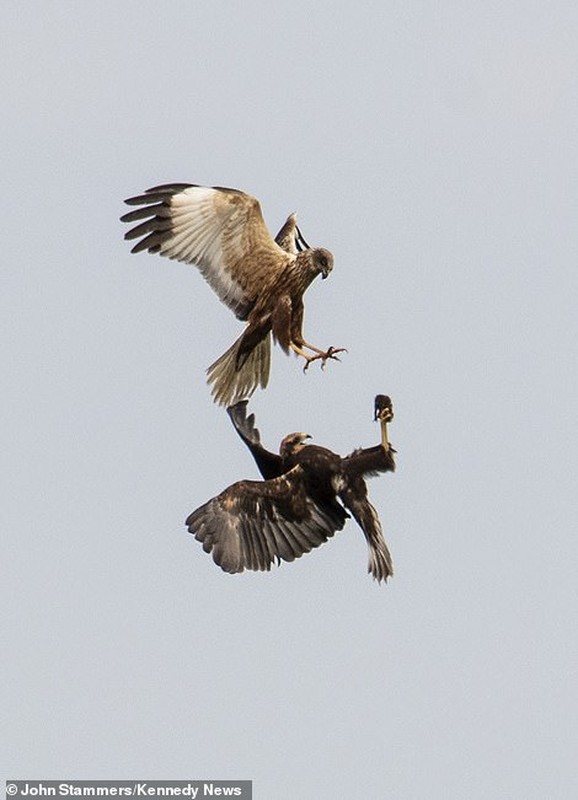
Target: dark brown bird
[(304, 498), (261, 279)]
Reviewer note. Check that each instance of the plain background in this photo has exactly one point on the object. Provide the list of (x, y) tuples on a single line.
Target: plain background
[(432, 148)]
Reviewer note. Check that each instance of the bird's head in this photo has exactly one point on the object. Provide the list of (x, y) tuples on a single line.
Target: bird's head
[(383, 408), (293, 443), (323, 261)]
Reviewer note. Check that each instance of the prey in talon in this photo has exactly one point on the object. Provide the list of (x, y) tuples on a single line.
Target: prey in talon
[(383, 408), (306, 495), (383, 411)]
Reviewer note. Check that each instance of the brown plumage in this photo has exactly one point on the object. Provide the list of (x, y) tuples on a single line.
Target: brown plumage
[(261, 279), (304, 498)]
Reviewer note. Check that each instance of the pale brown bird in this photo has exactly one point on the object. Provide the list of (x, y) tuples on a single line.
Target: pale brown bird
[(261, 279), (304, 498)]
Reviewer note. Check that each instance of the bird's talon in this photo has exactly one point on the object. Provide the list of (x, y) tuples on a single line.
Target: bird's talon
[(330, 353)]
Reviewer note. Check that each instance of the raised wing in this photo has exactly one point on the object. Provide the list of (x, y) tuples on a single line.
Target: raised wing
[(269, 464), (252, 524), (290, 237), (369, 461), (220, 230)]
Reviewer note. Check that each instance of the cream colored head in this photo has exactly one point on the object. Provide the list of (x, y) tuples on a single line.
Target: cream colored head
[(293, 443)]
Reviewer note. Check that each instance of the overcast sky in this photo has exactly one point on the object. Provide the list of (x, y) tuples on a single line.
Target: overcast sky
[(432, 148)]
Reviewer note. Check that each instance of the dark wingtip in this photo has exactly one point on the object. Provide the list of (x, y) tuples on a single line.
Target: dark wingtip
[(238, 411), (239, 404)]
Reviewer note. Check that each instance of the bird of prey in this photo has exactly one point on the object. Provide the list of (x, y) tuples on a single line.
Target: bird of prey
[(261, 279), (304, 498)]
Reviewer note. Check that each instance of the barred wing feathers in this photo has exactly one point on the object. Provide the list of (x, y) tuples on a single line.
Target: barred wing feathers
[(252, 524), (220, 230)]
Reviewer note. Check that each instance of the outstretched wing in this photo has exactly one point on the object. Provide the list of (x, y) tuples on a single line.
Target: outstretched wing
[(220, 230), (253, 523), (290, 237), (354, 497), (269, 464), (369, 461)]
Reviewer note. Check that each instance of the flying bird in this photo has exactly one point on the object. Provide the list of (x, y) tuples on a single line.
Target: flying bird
[(261, 279), (304, 498)]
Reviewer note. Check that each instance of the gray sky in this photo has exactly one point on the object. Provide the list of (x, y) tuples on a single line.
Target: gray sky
[(432, 148)]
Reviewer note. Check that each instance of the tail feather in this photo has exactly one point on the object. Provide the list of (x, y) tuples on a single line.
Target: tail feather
[(230, 382)]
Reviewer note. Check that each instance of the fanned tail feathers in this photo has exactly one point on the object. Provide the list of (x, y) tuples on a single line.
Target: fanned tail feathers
[(231, 383)]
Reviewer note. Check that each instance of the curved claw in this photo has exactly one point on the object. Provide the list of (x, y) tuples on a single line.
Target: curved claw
[(331, 354), (324, 357)]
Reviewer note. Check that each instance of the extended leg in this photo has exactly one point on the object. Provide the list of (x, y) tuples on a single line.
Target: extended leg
[(383, 409)]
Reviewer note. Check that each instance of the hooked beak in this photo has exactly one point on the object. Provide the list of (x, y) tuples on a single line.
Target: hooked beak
[(326, 270)]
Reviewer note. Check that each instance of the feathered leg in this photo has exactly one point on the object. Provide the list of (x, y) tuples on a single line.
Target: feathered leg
[(292, 318)]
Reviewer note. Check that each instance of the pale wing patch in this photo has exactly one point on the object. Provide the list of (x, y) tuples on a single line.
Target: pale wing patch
[(199, 225), (221, 231)]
